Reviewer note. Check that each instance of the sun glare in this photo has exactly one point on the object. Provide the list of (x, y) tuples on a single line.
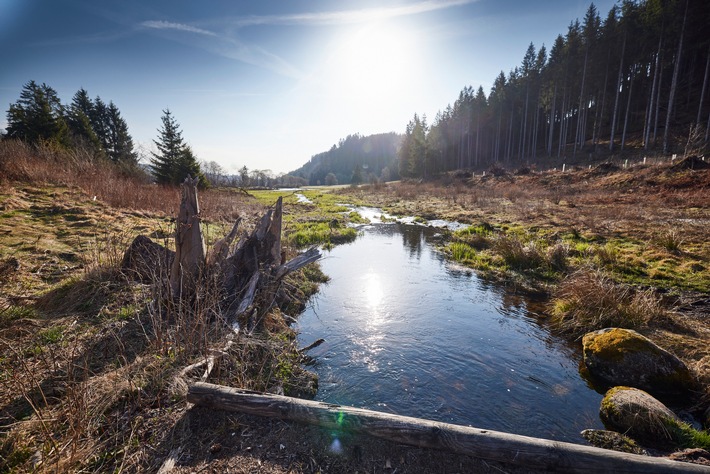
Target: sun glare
[(372, 64)]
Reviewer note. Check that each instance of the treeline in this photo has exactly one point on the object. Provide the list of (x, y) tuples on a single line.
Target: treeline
[(355, 159), (637, 78), (39, 116)]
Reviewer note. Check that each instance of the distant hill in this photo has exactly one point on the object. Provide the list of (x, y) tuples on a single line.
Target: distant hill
[(374, 156)]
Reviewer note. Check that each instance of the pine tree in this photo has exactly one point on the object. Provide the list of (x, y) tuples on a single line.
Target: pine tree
[(170, 146), (79, 122), (99, 122), (37, 116), (120, 142), (175, 159)]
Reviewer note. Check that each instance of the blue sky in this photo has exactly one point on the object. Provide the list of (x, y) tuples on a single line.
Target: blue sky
[(268, 84)]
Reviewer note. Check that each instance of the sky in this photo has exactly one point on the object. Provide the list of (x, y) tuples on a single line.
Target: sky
[(267, 84)]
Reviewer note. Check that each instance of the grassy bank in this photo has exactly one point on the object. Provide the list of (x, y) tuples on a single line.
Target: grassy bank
[(91, 363)]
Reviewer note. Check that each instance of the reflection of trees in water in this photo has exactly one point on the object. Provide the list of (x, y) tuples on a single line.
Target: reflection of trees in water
[(412, 239)]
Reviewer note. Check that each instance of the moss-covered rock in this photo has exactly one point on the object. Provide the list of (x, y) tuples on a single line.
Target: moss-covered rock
[(612, 440), (639, 415), (624, 357)]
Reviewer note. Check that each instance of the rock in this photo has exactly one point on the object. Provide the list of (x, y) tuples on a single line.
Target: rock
[(645, 419), (612, 440), (146, 260), (624, 357)]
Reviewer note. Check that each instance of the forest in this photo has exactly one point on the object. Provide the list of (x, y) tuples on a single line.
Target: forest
[(634, 81), (354, 160)]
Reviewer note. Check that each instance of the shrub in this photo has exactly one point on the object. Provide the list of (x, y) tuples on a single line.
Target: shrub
[(588, 300), (518, 255)]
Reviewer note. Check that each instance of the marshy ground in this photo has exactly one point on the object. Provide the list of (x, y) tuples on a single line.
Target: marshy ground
[(89, 372)]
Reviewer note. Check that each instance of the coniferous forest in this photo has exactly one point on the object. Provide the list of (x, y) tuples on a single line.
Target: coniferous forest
[(635, 79), (354, 160)]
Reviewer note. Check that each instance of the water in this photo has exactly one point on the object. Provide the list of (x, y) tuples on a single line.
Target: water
[(410, 334)]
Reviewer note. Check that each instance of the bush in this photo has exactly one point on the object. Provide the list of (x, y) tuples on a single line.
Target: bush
[(588, 300), (518, 255)]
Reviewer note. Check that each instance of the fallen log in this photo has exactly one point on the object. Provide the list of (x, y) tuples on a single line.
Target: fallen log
[(519, 450)]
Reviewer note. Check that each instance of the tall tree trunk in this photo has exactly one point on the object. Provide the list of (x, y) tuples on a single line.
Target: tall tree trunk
[(553, 113), (616, 100), (702, 91), (674, 82), (579, 132), (525, 120), (647, 134), (598, 133), (658, 103), (628, 107), (563, 113), (536, 121)]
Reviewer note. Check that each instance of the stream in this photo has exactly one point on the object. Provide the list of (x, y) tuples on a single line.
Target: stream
[(409, 333)]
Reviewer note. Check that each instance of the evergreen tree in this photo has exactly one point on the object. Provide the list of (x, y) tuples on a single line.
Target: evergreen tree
[(357, 175), (37, 116), (99, 122), (79, 122), (120, 142), (174, 160), (187, 164)]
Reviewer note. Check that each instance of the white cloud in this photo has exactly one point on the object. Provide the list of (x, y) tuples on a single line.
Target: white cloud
[(351, 16), (168, 25)]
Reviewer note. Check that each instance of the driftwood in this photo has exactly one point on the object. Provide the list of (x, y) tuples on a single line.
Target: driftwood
[(536, 453)]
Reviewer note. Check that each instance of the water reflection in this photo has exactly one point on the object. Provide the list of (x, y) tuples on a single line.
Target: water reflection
[(408, 331), (412, 239)]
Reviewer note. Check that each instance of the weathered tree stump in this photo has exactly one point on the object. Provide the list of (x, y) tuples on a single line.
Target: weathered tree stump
[(189, 244), (250, 275)]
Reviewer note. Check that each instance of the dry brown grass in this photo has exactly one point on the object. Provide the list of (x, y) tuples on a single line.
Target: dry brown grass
[(588, 300), (119, 187), (90, 362)]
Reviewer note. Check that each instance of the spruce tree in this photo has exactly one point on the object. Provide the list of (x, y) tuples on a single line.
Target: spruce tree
[(37, 116), (120, 142), (79, 122), (174, 160)]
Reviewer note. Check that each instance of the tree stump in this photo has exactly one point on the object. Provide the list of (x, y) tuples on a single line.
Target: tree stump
[(189, 244)]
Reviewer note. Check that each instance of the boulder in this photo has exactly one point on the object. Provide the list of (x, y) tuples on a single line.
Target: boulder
[(619, 356), (636, 413), (146, 260)]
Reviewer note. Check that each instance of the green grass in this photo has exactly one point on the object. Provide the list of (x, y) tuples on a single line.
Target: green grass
[(317, 233), (51, 335)]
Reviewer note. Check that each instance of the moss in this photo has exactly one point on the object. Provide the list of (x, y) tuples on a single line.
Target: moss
[(615, 344)]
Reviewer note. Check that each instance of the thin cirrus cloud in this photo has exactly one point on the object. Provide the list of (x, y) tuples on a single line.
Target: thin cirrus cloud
[(168, 25), (225, 45), (350, 16)]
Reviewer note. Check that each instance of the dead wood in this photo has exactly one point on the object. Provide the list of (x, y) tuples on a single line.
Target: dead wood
[(189, 244), (542, 454)]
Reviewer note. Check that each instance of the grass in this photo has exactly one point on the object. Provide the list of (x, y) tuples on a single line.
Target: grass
[(588, 300), (89, 360), (325, 220)]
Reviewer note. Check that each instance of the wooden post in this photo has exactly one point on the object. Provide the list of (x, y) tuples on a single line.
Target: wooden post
[(189, 244), (519, 450)]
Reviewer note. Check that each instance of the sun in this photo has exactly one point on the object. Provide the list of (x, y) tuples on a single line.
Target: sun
[(372, 64)]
